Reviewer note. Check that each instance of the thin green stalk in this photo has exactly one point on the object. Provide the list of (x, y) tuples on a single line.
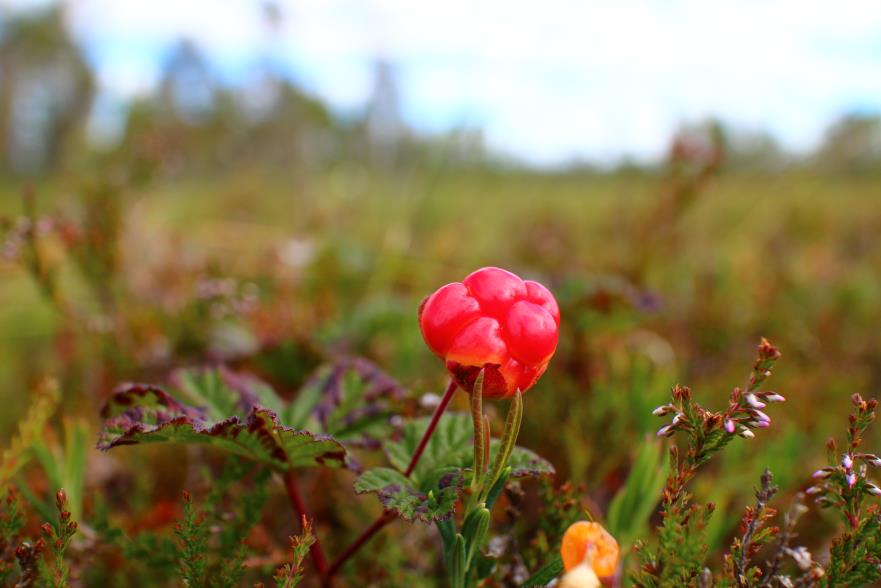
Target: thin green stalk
[(509, 437), (479, 437)]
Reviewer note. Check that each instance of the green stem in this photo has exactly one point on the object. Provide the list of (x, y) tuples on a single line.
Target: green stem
[(509, 437), (479, 450)]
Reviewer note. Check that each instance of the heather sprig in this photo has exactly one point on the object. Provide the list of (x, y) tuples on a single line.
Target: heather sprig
[(290, 574), (755, 533), (11, 524), (30, 560), (844, 485), (58, 538), (783, 548), (211, 538), (192, 534), (681, 551)]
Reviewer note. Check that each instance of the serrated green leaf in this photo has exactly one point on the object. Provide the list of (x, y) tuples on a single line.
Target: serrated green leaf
[(147, 414), (429, 502), (449, 447), (206, 390), (525, 463), (351, 399), (441, 470), (450, 451)]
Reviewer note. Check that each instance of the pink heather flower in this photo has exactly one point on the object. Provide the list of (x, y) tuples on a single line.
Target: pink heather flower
[(665, 431), (753, 401)]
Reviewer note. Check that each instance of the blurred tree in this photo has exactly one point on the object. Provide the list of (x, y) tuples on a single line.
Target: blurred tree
[(748, 150), (46, 90), (385, 126), (853, 144), (188, 89)]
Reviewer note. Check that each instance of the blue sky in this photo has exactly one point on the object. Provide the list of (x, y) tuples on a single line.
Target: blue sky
[(549, 82)]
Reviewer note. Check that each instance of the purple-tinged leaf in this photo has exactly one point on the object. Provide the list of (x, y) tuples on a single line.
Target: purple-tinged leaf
[(146, 414), (351, 399), (400, 495)]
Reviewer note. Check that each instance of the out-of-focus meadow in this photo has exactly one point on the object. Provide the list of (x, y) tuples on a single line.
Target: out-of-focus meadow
[(267, 233)]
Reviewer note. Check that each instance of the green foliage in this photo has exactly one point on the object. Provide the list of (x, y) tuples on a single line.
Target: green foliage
[(855, 554), (641, 307), (679, 557), (11, 524), (351, 399), (739, 568), (431, 492), (432, 500), (65, 466), (30, 430), (58, 538), (235, 526), (630, 509), (192, 534), (546, 574), (289, 575), (209, 558), (147, 414), (844, 487)]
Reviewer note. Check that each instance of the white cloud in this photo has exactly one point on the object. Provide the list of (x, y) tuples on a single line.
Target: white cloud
[(550, 80)]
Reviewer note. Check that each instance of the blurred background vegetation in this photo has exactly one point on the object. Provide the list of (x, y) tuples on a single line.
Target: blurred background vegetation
[(257, 227)]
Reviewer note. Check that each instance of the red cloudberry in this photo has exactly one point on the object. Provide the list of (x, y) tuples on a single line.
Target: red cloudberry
[(492, 319)]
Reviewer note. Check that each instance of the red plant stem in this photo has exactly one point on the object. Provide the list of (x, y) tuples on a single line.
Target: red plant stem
[(387, 517), (293, 488), (438, 412), (384, 519)]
